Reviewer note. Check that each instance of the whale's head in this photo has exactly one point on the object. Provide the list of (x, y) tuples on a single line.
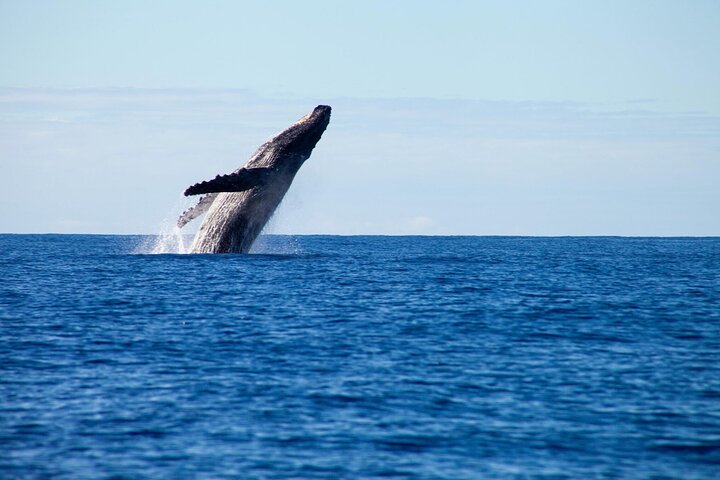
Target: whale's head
[(284, 154), (302, 136)]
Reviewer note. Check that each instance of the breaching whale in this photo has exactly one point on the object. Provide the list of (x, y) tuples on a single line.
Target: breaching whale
[(239, 204)]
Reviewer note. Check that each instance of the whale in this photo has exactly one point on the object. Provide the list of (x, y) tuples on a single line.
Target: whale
[(239, 204)]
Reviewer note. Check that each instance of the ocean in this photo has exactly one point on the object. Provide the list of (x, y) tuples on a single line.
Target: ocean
[(361, 357)]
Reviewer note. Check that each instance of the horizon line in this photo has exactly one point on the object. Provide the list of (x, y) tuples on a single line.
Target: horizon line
[(375, 235)]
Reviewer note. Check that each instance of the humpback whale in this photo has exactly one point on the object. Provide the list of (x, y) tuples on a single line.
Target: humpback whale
[(239, 204)]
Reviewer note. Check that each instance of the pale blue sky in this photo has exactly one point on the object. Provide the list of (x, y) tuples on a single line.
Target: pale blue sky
[(512, 117)]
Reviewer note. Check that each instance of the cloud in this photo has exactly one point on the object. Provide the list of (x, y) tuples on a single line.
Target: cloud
[(116, 160)]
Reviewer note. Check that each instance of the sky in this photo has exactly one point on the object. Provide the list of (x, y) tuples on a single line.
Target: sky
[(472, 118)]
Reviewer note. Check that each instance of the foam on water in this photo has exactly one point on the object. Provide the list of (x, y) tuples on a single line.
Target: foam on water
[(171, 239)]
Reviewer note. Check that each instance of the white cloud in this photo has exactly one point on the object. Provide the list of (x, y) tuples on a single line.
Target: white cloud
[(115, 160)]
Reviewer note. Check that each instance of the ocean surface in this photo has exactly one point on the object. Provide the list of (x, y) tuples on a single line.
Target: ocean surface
[(361, 357)]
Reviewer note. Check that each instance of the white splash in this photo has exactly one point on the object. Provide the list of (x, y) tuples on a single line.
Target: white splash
[(173, 240), (170, 239)]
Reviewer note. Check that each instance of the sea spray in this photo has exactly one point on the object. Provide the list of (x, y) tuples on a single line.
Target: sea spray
[(170, 238), (276, 245), (270, 243)]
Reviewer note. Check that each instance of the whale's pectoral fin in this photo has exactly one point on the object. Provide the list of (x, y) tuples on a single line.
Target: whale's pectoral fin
[(193, 212), (243, 179)]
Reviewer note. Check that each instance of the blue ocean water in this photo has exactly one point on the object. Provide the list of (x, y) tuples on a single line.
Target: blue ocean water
[(361, 357)]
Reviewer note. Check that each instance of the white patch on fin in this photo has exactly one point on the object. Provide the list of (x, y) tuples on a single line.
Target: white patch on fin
[(193, 212)]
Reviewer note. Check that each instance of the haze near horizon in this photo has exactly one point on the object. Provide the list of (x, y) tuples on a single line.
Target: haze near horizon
[(480, 118)]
